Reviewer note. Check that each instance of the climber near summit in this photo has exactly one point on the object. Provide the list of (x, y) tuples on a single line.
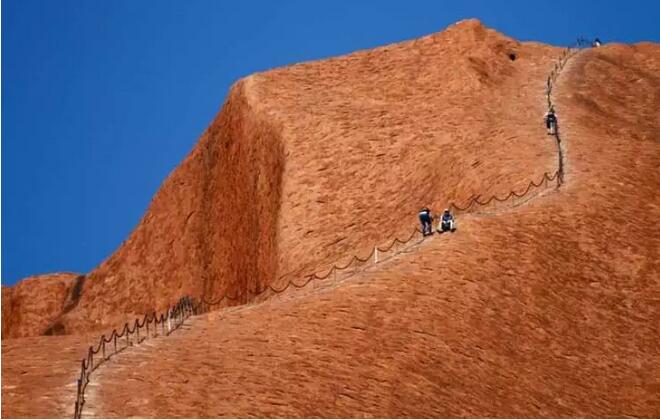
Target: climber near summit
[(426, 219), (447, 222), (596, 43), (551, 121)]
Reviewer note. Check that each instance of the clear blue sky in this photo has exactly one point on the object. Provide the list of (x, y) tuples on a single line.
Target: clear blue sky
[(102, 99)]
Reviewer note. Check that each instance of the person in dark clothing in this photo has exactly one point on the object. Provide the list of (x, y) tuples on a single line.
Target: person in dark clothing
[(596, 43), (551, 121), (426, 219), (447, 222)]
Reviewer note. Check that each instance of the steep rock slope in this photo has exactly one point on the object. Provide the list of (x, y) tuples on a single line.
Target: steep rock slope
[(310, 163), (549, 310), (39, 375), (207, 218)]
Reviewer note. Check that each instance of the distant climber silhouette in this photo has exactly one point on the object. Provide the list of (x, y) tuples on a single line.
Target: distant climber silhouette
[(551, 121)]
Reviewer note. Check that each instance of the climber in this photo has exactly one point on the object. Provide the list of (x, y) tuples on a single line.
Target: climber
[(426, 219), (551, 121), (596, 43), (447, 222)]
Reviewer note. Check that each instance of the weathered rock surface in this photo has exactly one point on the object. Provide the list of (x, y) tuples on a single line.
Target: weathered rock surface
[(546, 310), (312, 162), (33, 305), (39, 375), (549, 310)]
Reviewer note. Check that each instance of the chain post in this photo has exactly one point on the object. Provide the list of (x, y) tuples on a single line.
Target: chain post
[(78, 407)]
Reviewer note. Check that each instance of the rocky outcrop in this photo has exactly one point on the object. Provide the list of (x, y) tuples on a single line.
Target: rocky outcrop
[(310, 163), (33, 305), (546, 310)]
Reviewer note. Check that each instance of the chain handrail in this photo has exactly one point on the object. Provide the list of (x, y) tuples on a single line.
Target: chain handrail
[(188, 306), (547, 177), (175, 316)]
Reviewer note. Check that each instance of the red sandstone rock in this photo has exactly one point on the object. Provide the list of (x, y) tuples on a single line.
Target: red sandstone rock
[(293, 172), (547, 310), (32, 306)]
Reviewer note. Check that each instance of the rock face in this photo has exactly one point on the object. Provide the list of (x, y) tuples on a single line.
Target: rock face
[(39, 375), (212, 224), (544, 310), (293, 173), (33, 305), (547, 310)]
